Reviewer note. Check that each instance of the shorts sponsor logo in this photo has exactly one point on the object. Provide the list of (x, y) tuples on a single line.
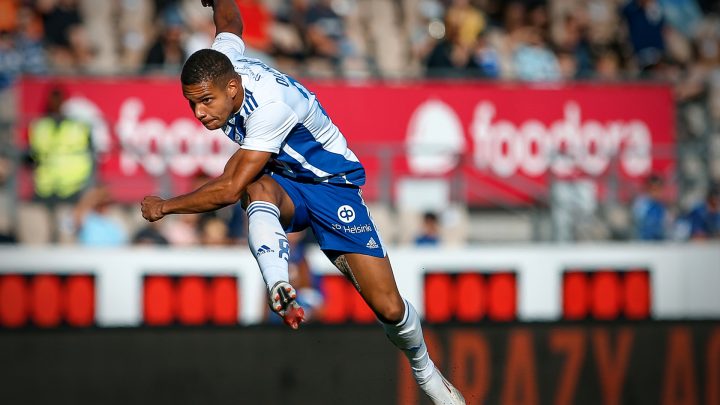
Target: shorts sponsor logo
[(372, 244), (353, 228), (346, 214), (264, 249)]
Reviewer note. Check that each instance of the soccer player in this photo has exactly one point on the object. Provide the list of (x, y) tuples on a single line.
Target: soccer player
[(293, 170)]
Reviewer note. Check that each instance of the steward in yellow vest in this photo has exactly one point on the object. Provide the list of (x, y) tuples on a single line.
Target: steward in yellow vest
[(62, 152)]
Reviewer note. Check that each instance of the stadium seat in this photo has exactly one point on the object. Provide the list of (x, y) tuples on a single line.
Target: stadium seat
[(101, 31), (385, 222), (455, 228), (135, 23), (387, 36), (499, 226)]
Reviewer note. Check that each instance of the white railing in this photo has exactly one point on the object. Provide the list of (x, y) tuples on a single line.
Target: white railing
[(685, 278)]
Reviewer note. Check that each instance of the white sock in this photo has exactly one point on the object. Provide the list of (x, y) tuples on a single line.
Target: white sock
[(268, 242), (407, 336)]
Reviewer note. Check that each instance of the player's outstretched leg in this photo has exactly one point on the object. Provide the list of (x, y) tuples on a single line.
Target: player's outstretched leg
[(401, 322), (407, 336), (269, 245)]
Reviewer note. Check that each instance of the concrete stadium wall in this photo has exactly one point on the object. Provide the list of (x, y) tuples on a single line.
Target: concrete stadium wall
[(642, 363)]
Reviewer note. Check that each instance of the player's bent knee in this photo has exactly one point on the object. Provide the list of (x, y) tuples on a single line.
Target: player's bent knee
[(392, 311), (259, 191), (256, 191)]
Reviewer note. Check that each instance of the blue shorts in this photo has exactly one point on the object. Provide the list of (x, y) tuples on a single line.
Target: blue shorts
[(337, 215)]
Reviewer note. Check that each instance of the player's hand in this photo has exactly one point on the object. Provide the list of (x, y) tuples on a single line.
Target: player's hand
[(151, 207), (207, 3)]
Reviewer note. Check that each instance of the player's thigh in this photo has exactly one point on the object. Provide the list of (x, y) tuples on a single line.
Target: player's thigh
[(267, 189), (376, 283)]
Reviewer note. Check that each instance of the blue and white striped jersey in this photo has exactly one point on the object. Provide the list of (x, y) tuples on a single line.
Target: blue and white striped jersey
[(281, 116)]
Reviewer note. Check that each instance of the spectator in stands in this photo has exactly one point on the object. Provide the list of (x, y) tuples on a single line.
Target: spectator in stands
[(567, 65), (162, 6), (201, 36), (134, 31), (683, 15), (150, 235), (65, 36), (59, 18), (8, 15), (61, 149), (289, 33), (167, 52), (608, 65), (514, 17), (182, 230), (700, 76), (256, 32), (485, 59), (704, 219), (649, 211), (450, 56), (185, 230), (213, 231), (326, 33), (10, 59), (425, 31), (533, 58), (237, 226), (467, 20), (94, 224), (574, 48), (537, 17), (646, 26), (430, 232), (21, 49)]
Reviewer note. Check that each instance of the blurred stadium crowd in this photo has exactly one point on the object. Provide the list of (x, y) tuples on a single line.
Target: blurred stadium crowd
[(675, 41), (508, 39)]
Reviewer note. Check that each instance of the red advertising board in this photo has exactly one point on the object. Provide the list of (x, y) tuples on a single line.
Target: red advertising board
[(505, 141)]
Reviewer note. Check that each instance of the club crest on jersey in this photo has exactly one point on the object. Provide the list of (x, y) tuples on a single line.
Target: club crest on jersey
[(234, 129), (346, 214)]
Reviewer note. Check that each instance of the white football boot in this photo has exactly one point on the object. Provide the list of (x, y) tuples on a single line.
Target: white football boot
[(441, 391)]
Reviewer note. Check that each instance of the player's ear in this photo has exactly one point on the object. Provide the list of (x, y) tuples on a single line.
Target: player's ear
[(233, 87)]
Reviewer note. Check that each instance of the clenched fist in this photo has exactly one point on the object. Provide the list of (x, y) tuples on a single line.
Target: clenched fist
[(151, 207)]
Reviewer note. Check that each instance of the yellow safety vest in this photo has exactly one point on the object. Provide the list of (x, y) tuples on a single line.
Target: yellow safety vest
[(63, 155)]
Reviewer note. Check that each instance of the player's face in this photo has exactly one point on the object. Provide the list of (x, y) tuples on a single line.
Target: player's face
[(211, 104)]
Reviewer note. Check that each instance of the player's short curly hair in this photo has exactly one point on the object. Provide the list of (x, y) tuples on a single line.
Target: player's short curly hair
[(207, 65)]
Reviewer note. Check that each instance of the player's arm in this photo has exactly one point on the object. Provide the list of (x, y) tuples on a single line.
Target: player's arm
[(226, 16), (242, 168)]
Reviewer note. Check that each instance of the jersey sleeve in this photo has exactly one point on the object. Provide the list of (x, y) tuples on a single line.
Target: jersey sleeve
[(230, 44), (268, 126)]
